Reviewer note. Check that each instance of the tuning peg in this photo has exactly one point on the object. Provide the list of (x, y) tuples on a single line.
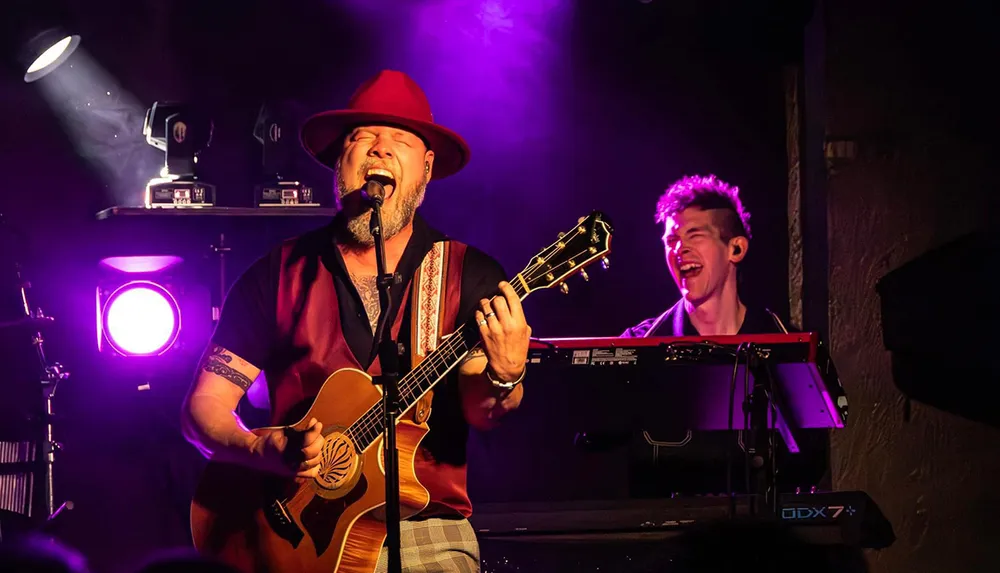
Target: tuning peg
[(605, 263), (581, 220), (583, 273), (564, 288), (562, 234)]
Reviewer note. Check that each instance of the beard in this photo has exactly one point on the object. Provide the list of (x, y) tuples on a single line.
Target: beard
[(395, 216)]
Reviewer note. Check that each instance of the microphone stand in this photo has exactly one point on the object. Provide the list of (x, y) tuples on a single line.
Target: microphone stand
[(388, 354), (52, 373)]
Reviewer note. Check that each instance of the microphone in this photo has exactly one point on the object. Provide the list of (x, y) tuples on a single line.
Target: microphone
[(373, 192)]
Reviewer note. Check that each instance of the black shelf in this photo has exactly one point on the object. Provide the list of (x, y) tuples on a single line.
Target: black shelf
[(111, 212)]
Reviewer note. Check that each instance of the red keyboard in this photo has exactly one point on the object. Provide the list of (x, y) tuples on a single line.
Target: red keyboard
[(695, 374)]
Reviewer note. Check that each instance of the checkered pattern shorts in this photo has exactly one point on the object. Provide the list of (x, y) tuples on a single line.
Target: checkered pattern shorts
[(435, 546)]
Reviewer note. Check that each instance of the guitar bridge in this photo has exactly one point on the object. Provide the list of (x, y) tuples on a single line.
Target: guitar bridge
[(281, 522)]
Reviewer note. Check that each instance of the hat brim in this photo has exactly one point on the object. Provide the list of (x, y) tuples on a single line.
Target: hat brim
[(321, 137)]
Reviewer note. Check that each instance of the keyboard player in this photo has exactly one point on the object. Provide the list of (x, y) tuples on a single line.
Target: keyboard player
[(706, 235)]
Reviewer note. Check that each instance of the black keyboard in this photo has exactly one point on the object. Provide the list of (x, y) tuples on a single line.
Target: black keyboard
[(846, 517)]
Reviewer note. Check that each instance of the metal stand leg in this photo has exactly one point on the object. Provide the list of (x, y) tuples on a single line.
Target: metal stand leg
[(54, 374), (761, 445)]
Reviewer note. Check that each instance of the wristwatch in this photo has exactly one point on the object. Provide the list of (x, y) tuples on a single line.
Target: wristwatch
[(506, 386)]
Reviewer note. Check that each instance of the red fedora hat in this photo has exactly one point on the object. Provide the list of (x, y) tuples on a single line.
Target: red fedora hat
[(388, 98)]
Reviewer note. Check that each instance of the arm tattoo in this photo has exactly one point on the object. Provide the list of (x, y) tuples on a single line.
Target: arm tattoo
[(368, 290), (217, 362)]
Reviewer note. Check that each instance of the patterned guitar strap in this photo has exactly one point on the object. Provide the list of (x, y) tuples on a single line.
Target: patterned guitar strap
[(436, 293)]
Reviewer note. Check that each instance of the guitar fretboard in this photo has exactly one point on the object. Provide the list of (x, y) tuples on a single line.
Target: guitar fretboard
[(421, 379)]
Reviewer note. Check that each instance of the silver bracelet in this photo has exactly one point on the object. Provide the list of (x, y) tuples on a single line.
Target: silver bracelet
[(505, 385)]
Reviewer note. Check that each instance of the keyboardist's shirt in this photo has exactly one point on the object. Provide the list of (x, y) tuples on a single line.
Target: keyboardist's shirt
[(675, 322)]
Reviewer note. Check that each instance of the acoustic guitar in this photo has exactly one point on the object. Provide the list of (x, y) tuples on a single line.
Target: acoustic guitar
[(259, 522)]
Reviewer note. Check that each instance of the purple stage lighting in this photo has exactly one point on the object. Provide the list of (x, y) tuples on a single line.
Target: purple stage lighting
[(154, 313), (140, 318), (140, 303)]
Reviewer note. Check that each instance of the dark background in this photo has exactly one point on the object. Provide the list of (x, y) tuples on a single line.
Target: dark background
[(568, 107)]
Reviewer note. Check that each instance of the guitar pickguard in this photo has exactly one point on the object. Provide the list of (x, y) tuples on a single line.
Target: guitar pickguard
[(320, 516)]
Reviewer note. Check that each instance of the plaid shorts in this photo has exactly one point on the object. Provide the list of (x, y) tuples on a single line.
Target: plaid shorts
[(435, 546)]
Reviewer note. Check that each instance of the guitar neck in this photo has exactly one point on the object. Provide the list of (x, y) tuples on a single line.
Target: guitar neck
[(415, 384)]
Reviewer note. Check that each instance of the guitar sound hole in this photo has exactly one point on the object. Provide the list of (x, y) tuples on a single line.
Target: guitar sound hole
[(339, 463)]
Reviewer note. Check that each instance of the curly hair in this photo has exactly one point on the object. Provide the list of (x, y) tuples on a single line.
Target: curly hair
[(706, 192)]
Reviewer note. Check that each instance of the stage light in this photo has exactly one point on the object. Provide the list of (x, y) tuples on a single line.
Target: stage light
[(279, 188), (38, 36), (47, 51), (147, 307), (182, 132), (141, 318)]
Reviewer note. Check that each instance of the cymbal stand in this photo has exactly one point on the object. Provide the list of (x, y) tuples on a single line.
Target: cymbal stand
[(51, 375)]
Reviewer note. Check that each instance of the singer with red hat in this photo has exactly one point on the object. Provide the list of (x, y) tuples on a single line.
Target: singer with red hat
[(311, 307)]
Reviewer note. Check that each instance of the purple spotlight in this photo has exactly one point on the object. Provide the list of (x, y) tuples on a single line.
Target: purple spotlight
[(141, 264), (141, 318)]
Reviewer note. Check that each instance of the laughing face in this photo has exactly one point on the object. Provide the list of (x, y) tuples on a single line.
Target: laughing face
[(699, 258), (400, 160)]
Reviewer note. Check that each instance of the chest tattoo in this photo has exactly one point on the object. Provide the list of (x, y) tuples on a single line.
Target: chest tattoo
[(368, 290)]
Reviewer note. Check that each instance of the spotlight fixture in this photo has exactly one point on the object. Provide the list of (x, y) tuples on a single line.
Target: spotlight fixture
[(145, 308), (39, 36), (182, 132), (273, 122), (140, 318), (46, 51)]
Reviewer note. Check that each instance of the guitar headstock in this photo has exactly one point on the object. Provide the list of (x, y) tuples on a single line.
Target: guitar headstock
[(585, 243)]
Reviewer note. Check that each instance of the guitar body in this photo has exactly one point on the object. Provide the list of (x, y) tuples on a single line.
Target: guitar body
[(259, 522)]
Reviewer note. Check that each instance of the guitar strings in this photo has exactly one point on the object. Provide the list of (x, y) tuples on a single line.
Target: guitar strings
[(447, 352), (372, 419)]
